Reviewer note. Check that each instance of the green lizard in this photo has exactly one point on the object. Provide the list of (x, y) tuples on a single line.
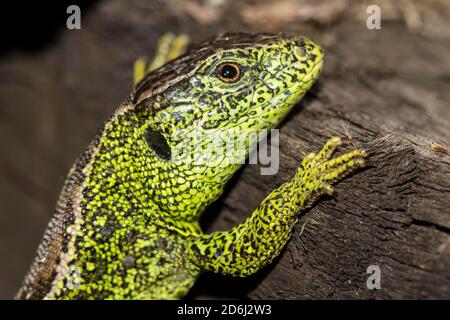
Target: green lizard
[(126, 223)]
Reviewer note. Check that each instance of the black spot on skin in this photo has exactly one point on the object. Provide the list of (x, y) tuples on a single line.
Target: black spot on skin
[(169, 249), (84, 210), (129, 261), (305, 62), (86, 191), (158, 143), (294, 78), (217, 253), (242, 55), (162, 243), (161, 262), (301, 43), (132, 236), (106, 231), (130, 211), (178, 116), (260, 92)]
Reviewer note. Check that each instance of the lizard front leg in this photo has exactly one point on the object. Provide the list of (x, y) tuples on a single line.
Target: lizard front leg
[(256, 242)]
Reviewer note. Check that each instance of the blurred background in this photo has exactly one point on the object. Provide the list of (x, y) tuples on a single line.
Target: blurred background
[(57, 86)]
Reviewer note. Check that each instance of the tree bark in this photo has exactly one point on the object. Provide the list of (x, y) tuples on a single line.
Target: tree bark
[(384, 90)]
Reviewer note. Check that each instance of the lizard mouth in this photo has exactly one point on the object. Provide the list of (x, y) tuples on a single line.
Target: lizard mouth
[(317, 69)]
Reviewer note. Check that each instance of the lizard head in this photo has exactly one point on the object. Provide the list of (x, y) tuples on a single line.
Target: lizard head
[(253, 84), (234, 83)]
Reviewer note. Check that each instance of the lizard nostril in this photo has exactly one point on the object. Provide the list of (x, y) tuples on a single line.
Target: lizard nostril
[(312, 57)]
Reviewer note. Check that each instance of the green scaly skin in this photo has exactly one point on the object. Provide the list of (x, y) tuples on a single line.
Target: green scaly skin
[(126, 223)]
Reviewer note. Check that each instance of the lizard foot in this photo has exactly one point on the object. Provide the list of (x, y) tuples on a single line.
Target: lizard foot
[(319, 171)]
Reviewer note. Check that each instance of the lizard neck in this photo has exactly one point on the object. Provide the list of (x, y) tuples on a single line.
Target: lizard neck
[(127, 176)]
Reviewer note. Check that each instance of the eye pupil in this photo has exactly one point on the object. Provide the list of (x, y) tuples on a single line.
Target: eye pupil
[(229, 72)]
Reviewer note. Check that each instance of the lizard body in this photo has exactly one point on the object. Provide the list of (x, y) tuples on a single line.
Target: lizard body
[(126, 223)]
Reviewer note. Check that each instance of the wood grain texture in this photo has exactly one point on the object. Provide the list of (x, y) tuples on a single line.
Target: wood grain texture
[(387, 89)]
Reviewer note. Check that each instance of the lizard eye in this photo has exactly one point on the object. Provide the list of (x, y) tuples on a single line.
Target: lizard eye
[(228, 72)]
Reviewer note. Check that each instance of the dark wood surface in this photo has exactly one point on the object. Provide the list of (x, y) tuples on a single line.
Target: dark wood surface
[(385, 90)]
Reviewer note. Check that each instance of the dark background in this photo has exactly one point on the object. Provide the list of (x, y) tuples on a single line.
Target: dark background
[(58, 86)]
